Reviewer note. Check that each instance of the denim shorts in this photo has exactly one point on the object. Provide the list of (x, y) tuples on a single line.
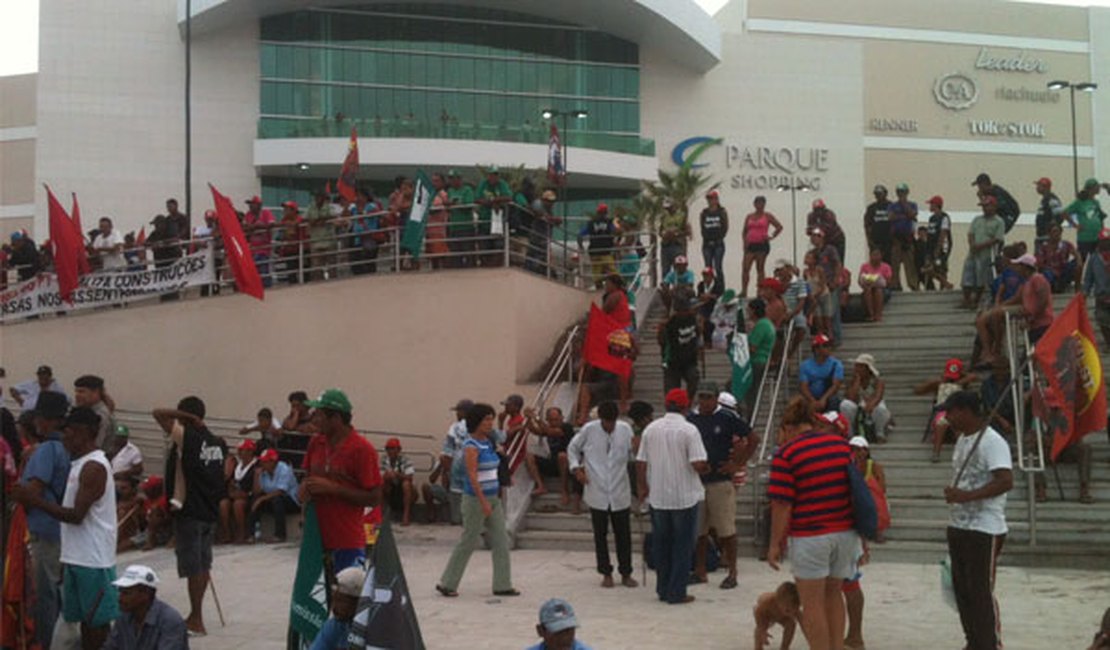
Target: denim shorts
[(834, 555), (193, 540)]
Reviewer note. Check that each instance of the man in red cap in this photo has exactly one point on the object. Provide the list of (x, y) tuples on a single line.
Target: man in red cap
[(939, 244), (276, 489), (821, 376), (397, 475), (1050, 212), (599, 234), (668, 465), (714, 227), (987, 233), (258, 222)]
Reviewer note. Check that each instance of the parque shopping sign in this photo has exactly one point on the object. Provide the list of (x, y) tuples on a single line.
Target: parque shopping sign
[(754, 166)]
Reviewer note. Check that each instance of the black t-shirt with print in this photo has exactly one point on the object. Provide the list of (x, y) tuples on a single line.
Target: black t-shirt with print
[(202, 463), (682, 340)]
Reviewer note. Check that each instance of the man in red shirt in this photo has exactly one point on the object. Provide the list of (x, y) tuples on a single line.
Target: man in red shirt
[(343, 478)]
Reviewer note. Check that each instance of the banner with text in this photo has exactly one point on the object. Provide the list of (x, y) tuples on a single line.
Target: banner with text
[(40, 294)]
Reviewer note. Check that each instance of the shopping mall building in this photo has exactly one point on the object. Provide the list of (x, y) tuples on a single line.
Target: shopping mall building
[(840, 95)]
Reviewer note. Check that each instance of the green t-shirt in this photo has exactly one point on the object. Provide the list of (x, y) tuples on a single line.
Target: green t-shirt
[(984, 229), (487, 191), (762, 340), (1089, 215), (460, 219), (675, 222)]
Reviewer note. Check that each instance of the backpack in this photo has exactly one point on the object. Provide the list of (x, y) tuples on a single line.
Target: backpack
[(1008, 207)]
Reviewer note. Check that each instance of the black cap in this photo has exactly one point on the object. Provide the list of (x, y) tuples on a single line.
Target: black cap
[(982, 178), (965, 399), (51, 405), (639, 409), (83, 416), (44, 370)]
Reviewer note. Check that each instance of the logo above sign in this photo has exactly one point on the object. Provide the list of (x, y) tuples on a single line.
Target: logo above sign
[(1021, 62), (956, 91)]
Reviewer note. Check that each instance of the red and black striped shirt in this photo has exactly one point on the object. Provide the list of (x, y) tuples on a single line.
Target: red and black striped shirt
[(811, 473)]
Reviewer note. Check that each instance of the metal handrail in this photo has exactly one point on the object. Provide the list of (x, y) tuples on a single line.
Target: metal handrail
[(783, 363), (1016, 336)]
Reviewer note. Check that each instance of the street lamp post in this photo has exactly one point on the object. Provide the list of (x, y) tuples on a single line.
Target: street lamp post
[(1072, 86), (578, 114), (794, 187)]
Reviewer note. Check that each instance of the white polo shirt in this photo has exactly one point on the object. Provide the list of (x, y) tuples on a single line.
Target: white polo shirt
[(669, 445)]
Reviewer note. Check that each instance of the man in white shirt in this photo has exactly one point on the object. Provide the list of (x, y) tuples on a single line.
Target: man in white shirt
[(108, 245), (26, 393), (126, 459), (88, 516), (977, 522), (598, 455), (670, 459)]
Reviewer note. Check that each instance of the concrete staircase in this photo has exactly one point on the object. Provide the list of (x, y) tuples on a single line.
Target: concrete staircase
[(919, 332)]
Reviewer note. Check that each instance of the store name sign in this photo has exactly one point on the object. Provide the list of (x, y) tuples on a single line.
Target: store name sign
[(1020, 62), (1000, 128), (758, 166)]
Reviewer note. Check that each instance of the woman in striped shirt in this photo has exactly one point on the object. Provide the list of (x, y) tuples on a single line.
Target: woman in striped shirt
[(811, 505), (481, 508)]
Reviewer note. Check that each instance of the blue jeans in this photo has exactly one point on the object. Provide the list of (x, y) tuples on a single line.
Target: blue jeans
[(262, 263), (714, 254), (673, 535)]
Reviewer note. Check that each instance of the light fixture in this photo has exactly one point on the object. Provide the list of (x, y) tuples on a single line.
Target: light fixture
[(1086, 86), (783, 187), (303, 166), (547, 113), (581, 114), (1058, 85)]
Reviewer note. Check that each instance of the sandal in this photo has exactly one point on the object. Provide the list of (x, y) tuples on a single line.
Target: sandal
[(444, 591), (728, 583), (507, 592)]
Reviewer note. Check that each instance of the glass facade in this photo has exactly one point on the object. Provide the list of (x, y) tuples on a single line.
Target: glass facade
[(446, 72)]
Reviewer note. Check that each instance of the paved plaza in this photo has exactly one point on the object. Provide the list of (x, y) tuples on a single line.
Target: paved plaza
[(1041, 608)]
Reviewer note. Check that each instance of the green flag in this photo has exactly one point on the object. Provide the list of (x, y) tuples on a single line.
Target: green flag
[(385, 617), (309, 607), (740, 356), (412, 239)]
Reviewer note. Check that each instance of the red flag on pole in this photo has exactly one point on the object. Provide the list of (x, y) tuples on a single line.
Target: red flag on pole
[(17, 625), (1074, 404), (141, 239), (348, 175), (608, 344), (66, 246), (238, 253), (82, 258)]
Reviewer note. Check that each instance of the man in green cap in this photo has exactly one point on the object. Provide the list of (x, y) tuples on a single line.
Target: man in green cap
[(460, 222), (1087, 216), (493, 194), (342, 477), (126, 459)]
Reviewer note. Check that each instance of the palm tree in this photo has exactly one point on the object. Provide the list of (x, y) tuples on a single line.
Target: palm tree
[(682, 187)]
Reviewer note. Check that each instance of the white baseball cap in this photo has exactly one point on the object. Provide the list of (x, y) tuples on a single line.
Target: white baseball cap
[(858, 441), (726, 399), (137, 574)]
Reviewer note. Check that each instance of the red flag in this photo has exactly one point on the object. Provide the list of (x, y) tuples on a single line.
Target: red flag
[(348, 175), (66, 246), (141, 239), (17, 625), (239, 258), (1074, 404), (82, 258), (608, 344)]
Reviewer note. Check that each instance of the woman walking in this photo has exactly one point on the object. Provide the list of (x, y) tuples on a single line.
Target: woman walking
[(757, 242), (481, 508), (811, 506)]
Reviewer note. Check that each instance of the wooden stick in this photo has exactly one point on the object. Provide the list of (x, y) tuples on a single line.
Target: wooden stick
[(216, 598)]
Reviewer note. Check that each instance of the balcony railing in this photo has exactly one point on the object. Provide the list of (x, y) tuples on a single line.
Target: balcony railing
[(321, 127)]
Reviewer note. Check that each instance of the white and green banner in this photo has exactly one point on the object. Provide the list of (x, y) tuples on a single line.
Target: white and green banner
[(412, 240)]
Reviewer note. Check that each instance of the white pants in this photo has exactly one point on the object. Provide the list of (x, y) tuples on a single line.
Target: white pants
[(880, 416)]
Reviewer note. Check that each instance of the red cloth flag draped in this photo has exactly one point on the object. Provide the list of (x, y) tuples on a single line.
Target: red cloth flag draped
[(66, 245), (348, 175), (1074, 403), (608, 344), (239, 258), (17, 624), (83, 258)]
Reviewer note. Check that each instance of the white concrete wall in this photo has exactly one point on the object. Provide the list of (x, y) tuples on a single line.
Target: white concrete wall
[(1099, 23), (111, 109), (768, 92)]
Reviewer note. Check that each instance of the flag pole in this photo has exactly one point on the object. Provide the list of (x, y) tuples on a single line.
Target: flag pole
[(990, 416)]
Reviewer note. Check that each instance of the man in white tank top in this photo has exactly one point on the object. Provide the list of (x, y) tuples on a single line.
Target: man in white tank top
[(88, 521)]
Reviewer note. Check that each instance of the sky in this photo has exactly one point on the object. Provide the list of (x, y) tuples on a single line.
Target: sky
[(19, 34)]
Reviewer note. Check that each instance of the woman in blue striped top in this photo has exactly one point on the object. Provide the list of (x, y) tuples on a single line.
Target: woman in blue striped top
[(481, 508)]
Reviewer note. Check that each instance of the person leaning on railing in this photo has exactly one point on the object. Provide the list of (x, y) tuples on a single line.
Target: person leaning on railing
[(460, 221)]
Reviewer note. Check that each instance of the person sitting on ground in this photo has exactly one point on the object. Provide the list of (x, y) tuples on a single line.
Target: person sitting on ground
[(276, 492), (821, 376), (145, 622), (1079, 453), (952, 380), (556, 432), (779, 607), (1058, 260), (156, 511), (344, 603), (269, 431), (678, 283), (126, 459), (239, 472), (129, 513), (397, 481), (864, 406), (557, 627), (874, 279)]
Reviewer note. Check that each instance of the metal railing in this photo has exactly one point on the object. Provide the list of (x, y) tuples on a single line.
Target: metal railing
[(780, 377), (1019, 351)]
